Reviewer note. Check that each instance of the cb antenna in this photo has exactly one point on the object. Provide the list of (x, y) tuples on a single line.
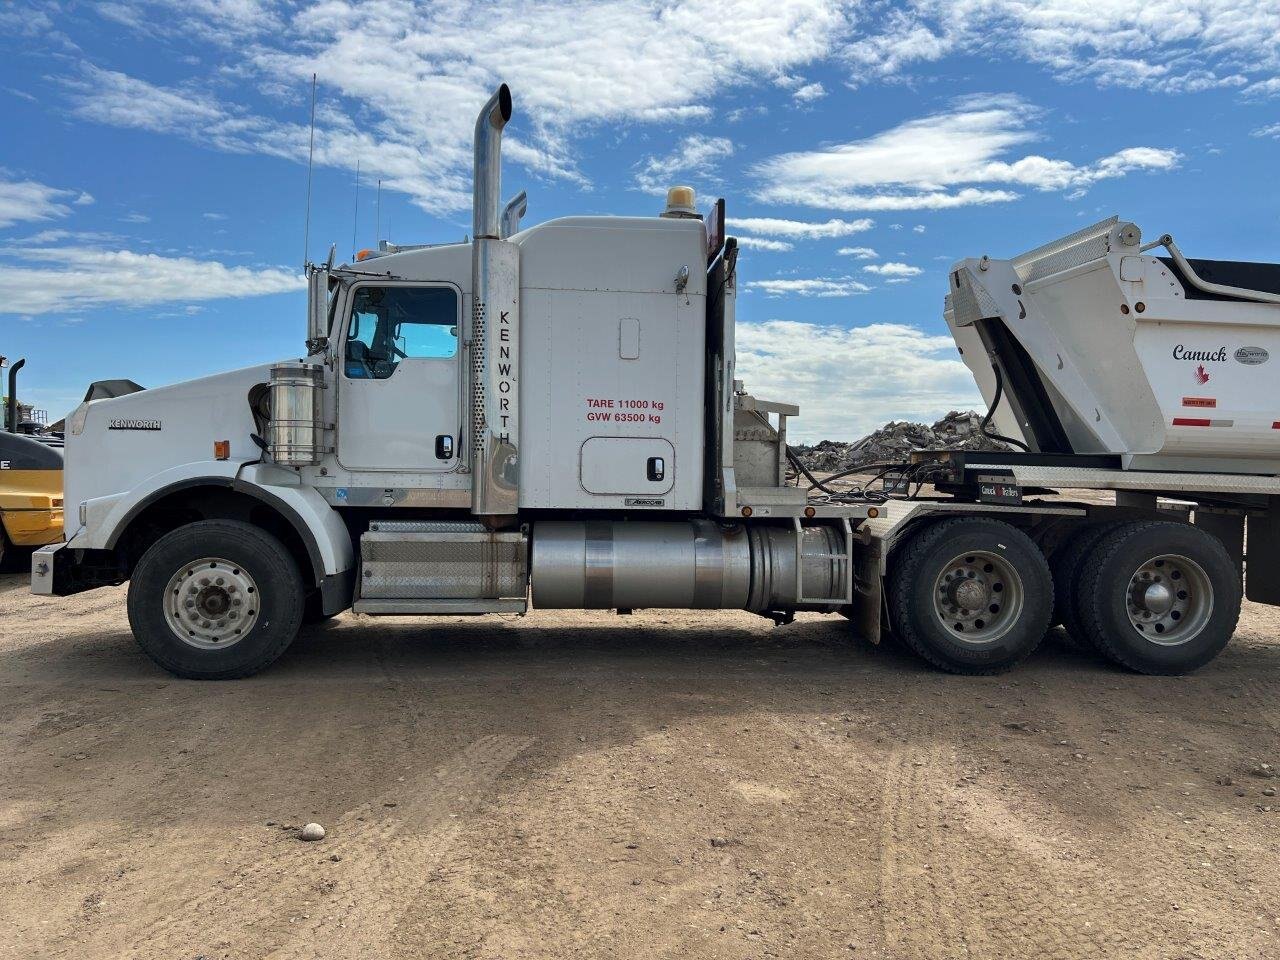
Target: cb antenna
[(311, 152), (377, 228), (355, 214)]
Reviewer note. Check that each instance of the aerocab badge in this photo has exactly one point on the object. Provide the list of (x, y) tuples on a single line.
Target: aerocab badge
[(121, 423)]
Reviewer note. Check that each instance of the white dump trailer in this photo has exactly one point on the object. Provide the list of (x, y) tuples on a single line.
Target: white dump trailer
[(549, 417)]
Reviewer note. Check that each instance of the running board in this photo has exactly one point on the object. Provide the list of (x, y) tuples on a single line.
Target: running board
[(438, 607)]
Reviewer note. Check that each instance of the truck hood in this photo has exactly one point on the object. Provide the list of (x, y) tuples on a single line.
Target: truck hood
[(114, 444)]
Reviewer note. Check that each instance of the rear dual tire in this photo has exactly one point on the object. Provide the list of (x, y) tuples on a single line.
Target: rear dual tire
[(215, 600), (1158, 597), (971, 595)]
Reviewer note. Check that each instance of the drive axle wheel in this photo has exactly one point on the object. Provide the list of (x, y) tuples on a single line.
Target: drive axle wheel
[(1069, 567), (971, 595), (215, 600), (1160, 597)]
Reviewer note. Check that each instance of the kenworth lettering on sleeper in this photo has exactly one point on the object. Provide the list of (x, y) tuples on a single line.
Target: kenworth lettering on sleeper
[(504, 377)]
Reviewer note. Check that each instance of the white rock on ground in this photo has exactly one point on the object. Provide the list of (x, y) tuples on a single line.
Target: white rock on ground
[(312, 831)]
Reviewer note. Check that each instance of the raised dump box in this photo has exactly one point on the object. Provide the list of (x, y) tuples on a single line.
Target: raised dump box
[(1099, 347)]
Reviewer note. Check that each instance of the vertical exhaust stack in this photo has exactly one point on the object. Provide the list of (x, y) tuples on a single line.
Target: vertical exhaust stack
[(512, 213), (11, 410), (495, 329)]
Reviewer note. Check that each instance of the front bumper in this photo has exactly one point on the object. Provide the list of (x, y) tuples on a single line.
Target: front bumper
[(44, 568)]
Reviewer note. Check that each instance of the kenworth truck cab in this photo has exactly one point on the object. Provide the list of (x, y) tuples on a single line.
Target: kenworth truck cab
[(544, 416)]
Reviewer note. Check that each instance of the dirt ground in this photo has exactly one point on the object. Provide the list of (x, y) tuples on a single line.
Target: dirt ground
[(668, 784)]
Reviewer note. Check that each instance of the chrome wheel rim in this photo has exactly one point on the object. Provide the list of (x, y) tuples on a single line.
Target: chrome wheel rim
[(211, 603), (978, 597), (1169, 600)]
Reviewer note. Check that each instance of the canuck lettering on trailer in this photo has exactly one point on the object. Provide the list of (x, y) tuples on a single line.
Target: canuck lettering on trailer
[(1212, 356)]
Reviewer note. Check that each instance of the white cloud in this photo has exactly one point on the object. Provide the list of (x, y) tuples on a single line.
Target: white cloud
[(69, 279), (933, 163), (918, 228), (917, 376), (1271, 130), (1264, 88), (858, 253), (763, 243), (415, 72), (218, 21), (23, 201), (135, 218), (810, 287), (214, 216), (694, 156), (893, 269), (809, 92), (1168, 45), (798, 229)]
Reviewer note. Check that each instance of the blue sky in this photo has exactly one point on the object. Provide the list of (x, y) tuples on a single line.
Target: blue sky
[(153, 161)]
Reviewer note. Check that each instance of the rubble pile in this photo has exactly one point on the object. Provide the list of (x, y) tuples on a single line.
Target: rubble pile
[(895, 441)]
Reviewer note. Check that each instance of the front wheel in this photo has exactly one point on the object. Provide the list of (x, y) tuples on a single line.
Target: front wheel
[(215, 600), (971, 595)]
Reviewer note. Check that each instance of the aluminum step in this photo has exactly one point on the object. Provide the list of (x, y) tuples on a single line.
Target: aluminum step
[(441, 567), (464, 607)]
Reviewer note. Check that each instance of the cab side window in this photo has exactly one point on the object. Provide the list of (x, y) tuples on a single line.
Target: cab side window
[(390, 324)]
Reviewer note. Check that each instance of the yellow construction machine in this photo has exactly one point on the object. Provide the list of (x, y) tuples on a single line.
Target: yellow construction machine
[(30, 479)]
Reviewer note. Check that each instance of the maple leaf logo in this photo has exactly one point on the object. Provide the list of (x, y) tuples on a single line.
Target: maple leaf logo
[(1202, 375)]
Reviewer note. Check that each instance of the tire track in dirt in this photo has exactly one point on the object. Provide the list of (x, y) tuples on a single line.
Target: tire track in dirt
[(288, 905), (388, 849), (365, 903), (919, 917), (964, 873)]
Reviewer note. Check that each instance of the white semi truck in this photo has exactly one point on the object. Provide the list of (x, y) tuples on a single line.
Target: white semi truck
[(549, 417)]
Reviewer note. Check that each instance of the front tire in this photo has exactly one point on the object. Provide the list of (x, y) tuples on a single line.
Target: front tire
[(1160, 597), (971, 595), (215, 600)]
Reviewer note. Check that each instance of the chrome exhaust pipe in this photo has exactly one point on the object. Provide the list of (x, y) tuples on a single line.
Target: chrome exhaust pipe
[(494, 342), (488, 164), (512, 213)]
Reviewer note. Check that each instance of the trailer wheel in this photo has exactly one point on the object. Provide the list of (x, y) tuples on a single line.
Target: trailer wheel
[(215, 600), (971, 595), (1160, 597)]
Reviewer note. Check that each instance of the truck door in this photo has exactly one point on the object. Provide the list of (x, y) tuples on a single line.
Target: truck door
[(399, 395)]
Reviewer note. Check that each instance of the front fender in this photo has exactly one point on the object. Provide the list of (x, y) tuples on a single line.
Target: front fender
[(103, 520)]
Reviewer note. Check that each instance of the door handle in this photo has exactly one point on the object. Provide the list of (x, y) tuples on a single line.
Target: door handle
[(656, 469), (444, 446)]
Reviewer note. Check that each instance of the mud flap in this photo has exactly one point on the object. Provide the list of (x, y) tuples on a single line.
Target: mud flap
[(864, 612), (1262, 577), (1227, 526)]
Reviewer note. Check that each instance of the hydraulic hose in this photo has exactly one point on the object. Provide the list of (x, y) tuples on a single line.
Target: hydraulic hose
[(991, 411)]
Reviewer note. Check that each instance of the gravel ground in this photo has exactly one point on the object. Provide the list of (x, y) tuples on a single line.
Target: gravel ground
[(668, 784)]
